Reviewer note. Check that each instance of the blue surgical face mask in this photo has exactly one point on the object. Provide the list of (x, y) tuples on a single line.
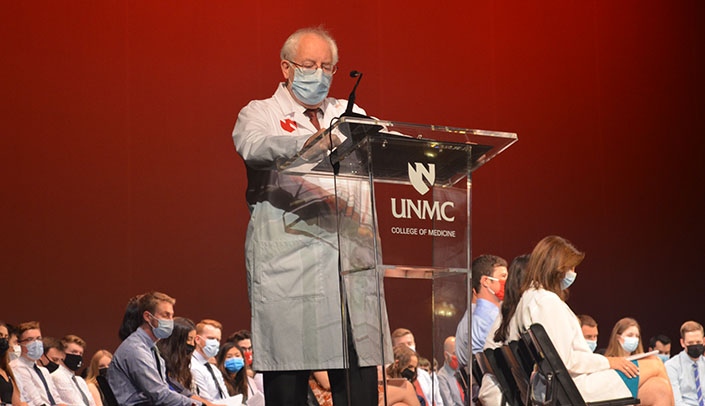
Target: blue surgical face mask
[(630, 344), (663, 357), (568, 279), (211, 348), (592, 345), (234, 364), (311, 89), (163, 329), (35, 349)]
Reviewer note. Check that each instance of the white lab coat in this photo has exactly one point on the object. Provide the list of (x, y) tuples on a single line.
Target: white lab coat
[(591, 372), (291, 250)]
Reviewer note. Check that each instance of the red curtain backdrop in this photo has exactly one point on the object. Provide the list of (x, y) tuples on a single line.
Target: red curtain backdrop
[(119, 174)]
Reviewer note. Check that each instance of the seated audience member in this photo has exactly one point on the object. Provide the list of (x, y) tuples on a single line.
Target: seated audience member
[(14, 350), (34, 381), (625, 339), (8, 388), (98, 367), (662, 344), (137, 373), (208, 378), (449, 386), (489, 392), (549, 273), (489, 275), (72, 389), (403, 391), (177, 351), (132, 318), (243, 339), (425, 364), (427, 383), (231, 363), (686, 370), (589, 327)]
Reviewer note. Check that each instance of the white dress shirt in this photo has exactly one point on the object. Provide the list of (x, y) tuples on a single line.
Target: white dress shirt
[(68, 389), (30, 384), (209, 389)]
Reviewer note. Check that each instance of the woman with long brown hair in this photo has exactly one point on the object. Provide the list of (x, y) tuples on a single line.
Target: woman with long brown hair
[(550, 272), (8, 387)]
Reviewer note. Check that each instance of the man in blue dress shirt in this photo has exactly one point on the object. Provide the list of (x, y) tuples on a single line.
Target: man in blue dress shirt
[(137, 373), (687, 369)]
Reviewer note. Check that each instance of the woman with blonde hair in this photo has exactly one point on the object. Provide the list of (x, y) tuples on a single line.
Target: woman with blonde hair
[(549, 273), (98, 367), (625, 339)]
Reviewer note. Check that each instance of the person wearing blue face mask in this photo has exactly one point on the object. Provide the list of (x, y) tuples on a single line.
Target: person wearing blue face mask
[(231, 363), (137, 372), (292, 265), (589, 327), (662, 344), (34, 380), (550, 272)]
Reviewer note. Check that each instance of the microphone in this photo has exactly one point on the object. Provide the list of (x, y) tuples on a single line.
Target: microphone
[(351, 98)]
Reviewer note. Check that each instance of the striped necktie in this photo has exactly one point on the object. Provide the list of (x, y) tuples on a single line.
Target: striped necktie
[(698, 388)]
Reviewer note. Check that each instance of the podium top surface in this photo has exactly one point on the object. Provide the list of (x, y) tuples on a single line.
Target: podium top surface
[(482, 145)]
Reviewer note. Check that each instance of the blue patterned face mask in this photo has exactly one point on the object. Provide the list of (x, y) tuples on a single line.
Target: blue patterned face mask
[(234, 364), (311, 89)]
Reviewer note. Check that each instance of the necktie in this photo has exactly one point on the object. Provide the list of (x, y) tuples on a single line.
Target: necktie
[(698, 388), (159, 364), (44, 381), (215, 381), (83, 395), (312, 115)]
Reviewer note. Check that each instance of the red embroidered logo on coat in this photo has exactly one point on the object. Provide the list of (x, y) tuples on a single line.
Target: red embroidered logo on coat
[(288, 125)]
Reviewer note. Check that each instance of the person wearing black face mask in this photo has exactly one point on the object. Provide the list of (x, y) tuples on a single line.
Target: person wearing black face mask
[(687, 369), (404, 390), (72, 389), (8, 389)]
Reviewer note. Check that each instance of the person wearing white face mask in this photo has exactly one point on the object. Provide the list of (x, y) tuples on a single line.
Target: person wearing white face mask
[(137, 372), (207, 376), (549, 273), (9, 393), (292, 265)]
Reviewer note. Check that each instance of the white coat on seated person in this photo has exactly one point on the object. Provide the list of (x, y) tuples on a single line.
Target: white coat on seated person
[(591, 372)]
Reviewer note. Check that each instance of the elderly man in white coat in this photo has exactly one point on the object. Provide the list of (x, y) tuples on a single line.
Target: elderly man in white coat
[(292, 247)]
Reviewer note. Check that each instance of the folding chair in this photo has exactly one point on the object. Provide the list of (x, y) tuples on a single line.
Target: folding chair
[(492, 361), (559, 386)]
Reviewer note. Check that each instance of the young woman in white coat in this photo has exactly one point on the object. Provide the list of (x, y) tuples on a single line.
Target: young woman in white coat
[(550, 271)]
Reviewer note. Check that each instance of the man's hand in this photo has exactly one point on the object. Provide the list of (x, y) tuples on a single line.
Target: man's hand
[(315, 147)]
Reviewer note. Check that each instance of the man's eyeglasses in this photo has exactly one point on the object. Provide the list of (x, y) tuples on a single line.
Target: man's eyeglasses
[(309, 68), (30, 339)]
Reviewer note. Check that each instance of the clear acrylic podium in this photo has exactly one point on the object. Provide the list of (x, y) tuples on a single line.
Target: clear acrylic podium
[(399, 200)]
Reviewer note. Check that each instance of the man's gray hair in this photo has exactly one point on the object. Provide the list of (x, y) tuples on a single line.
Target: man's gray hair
[(288, 51)]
